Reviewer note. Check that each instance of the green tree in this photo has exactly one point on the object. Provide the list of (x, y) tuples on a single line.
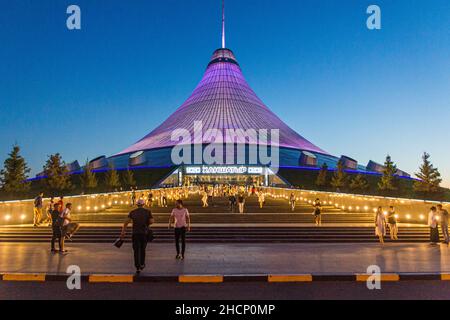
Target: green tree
[(322, 177), (14, 174), (88, 178), (388, 181), (112, 180), (128, 179), (359, 183), (57, 179), (340, 178), (430, 178)]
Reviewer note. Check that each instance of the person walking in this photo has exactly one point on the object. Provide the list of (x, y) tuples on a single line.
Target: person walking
[(443, 218), (56, 229), (261, 199), (37, 210), (69, 228), (133, 196), (210, 195), (380, 225), (141, 219), (392, 221), (150, 199), (61, 204), (181, 221), (241, 202), (160, 199), (50, 207), (317, 212), (292, 201), (433, 218), (204, 199), (164, 199), (157, 199), (232, 201)]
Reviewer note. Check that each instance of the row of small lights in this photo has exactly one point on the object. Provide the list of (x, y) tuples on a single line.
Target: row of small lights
[(366, 208), (102, 206), (8, 217), (79, 208), (128, 193)]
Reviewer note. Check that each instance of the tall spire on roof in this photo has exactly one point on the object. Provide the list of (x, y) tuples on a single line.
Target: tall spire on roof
[(222, 100), (223, 24)]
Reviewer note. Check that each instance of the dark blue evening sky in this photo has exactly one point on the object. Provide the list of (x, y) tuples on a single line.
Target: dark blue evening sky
[(347, 89)]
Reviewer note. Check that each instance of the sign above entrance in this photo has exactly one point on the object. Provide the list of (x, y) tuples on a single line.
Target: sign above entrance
[(224, 170)]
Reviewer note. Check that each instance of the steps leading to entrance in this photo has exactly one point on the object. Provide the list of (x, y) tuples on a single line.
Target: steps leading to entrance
[(272, 224), (224, 234), (221, 205), (236, 218)]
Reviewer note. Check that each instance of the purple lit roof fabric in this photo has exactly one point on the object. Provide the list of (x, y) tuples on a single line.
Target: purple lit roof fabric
[(222, 100)]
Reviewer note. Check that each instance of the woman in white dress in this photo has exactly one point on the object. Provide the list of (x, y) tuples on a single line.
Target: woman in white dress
[(380, 225)]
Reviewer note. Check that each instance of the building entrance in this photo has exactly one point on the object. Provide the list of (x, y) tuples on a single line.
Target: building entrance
[(222, 175), (240, 180)]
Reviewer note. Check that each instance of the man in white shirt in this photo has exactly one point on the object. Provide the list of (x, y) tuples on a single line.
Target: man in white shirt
[(68, 228)]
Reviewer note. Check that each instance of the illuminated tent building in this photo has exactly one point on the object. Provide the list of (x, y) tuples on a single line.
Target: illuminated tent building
[(224, 100)]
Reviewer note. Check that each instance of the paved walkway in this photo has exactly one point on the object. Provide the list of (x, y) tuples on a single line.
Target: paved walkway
[(230, 259)]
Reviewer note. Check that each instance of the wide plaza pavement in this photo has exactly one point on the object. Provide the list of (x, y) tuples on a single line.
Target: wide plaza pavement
[(230, 259)]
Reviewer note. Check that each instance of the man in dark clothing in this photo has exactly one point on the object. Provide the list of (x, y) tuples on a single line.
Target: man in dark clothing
[(56, 228), (232, 200), (141, 219), (133, 196), (443, 215)]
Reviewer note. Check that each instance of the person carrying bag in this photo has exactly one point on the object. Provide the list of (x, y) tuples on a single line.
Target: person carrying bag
[(141, 219)]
